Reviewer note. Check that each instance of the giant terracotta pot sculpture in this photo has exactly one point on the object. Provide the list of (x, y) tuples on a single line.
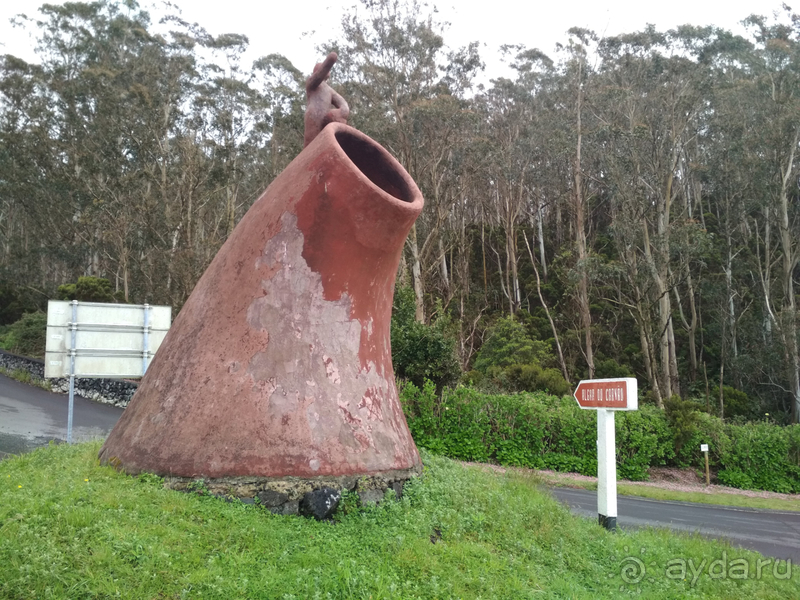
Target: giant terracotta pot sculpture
[(276, 377)]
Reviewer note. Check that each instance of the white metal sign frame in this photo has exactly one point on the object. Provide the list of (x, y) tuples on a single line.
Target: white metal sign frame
[(94, 339)]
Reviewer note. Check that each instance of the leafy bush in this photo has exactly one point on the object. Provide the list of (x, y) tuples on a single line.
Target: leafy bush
[(766, 454), (530, 430), (734, 478), (542, 431), (683, 417), (12, 304), (87, 289), (532, 377), (736, 403), (27, 336), (511, 361), (644, 440), (509, 344), (421, 352), (708, 430), (611, 369)]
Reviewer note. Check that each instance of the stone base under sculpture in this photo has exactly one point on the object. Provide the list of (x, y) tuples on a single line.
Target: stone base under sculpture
[(284, 495)]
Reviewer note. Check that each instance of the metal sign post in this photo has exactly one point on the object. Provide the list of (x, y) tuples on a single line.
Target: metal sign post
[(92, 339), (73, 326), (607, 396)]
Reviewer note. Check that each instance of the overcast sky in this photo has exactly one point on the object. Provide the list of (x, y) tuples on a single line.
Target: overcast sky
[(295, 27)]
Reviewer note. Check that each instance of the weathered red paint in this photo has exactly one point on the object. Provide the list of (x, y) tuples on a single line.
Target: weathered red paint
[(279, 363)]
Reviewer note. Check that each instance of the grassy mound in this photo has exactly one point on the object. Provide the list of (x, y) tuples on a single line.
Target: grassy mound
[(70, 528)]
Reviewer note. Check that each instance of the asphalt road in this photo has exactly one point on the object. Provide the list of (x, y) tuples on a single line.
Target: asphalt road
[(771, 532), (31, 417)]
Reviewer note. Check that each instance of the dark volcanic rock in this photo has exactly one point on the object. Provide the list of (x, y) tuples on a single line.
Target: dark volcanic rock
[(272, 499), (397, 486), (291, 507), (320, 503)]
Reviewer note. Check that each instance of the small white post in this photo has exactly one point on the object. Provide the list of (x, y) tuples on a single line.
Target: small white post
[(606, 469)]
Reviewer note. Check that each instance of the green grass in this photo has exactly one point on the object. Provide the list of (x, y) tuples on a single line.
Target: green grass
[(721, 499), (25, 377), (655, 493), (70, 528)]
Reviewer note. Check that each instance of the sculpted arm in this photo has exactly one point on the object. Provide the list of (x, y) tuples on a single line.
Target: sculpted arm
[(323, 104)]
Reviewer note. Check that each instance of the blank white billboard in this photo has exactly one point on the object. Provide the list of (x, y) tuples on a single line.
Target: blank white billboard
[(110, 340)]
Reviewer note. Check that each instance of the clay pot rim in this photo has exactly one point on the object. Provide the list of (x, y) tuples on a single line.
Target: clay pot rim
[(413, 204)]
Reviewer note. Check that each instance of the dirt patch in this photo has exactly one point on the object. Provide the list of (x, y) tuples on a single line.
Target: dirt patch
[(673, 475)]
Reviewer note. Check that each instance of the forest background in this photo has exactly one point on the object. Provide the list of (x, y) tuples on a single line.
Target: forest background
[(627, 206)]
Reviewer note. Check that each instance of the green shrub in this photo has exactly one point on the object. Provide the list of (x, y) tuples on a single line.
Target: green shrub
[(421, 352), (736, 403), (538, 430), (764, 453), (643, 440), (511, 361), (569, 463), (421, 409), (12, 306), (683, 416), (27, 336), (611, 369), (709, 430), (734, 478), (87, 289), (532, 377), (571, 431), (509, 344)]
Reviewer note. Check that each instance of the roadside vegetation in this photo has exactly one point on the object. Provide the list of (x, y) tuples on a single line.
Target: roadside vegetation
[(24, 376), (26, 336), (70, 528), (540, 431)]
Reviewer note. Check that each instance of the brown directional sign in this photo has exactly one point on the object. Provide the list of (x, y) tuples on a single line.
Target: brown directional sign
[(619, 394)]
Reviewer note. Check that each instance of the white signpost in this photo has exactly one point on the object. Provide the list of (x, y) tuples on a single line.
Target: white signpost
[(607, 396), (704, 450), (91, 339)]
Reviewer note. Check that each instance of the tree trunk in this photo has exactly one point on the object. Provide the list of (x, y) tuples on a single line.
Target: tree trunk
[(561, 360), (542, 257), (416, 276), (580, 240), (790, 258)]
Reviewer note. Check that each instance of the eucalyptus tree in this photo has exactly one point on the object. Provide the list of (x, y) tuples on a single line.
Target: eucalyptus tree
[(26, 117), (282, 86), (576, 128), (96, 80), (652, 102), (406, 90), (775, 66)]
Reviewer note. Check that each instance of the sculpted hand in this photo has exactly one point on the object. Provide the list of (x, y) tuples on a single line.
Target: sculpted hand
[(323, 104)]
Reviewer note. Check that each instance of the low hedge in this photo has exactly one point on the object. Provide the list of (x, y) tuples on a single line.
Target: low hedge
[(537, 430)]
